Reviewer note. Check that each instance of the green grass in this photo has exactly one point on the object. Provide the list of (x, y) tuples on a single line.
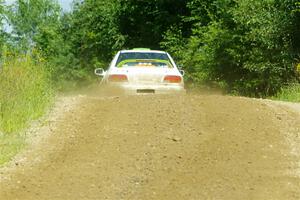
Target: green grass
[(25, 93), (289, 93), (10, 145)]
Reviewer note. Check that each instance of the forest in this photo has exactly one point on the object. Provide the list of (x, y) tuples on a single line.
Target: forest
[(243, 47)]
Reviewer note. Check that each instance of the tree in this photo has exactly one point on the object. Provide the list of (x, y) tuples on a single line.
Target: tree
[(246, 46), (143, 22), (94, 31), (100, 28), (29, 18), (3, 35)]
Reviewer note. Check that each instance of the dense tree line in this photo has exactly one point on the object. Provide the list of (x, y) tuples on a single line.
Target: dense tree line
[(249, 47)]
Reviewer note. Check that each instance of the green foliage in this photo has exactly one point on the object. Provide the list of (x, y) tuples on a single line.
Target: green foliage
[(29, 18), (98, 29), (289, 93), (25, 91), (174, 41), (248, 46), (10, 145), (3, 35), (143, 22), (40, 24), (297, 9), (94, 31)]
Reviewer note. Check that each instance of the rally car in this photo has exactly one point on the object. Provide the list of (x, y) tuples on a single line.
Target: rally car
[(143, 71)]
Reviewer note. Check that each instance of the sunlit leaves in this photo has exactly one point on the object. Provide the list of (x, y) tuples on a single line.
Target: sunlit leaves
[(250, 45)]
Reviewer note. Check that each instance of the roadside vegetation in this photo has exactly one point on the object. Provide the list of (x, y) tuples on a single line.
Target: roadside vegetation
[(289, 93), (247, 47), (25, 93)]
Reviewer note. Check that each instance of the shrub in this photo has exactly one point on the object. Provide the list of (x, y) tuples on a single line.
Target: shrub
[(289, 93), (248, 47)]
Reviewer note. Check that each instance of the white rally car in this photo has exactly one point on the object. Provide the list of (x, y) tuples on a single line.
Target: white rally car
[(141, 71)]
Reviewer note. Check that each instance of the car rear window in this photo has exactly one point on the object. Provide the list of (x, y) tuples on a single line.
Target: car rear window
[(135, 59)]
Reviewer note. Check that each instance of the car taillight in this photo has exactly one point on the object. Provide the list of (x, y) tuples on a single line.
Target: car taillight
[(118, 78), (172, 79)]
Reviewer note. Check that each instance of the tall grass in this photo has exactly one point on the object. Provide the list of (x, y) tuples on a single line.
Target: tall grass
[(25, 92), (289, 93)]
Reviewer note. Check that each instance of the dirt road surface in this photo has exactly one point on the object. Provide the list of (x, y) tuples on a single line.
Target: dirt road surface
[(162, 147)]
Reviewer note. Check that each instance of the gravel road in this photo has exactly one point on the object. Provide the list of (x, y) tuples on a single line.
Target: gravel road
[(160, 147)]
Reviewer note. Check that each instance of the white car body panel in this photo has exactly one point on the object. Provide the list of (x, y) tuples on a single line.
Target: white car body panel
[(145, 79)]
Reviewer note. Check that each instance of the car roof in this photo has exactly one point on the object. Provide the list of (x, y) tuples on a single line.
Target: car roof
[(142, 51)]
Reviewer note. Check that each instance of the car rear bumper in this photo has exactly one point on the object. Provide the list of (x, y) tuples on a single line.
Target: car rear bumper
[(133, 89)]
